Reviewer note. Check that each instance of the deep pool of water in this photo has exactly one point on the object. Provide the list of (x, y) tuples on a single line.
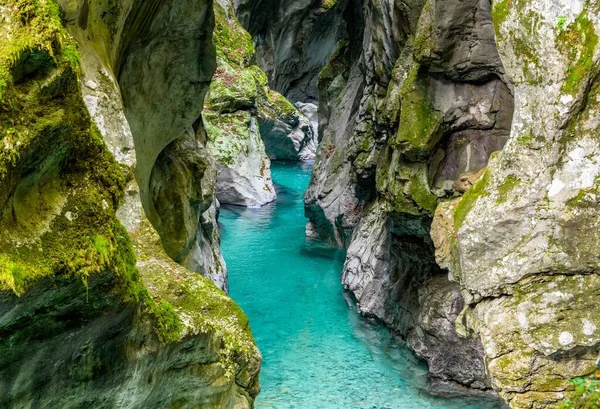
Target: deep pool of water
[(317, 352)]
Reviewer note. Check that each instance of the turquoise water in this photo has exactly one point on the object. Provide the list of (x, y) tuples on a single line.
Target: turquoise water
[(317, 352)]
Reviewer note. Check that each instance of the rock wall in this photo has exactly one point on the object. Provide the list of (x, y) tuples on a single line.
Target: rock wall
[(148, 141), (412, 103), (248, 124), (526, 238), (294, 40), (87, 277)]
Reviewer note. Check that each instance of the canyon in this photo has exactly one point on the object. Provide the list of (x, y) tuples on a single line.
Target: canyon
[(454, 166)]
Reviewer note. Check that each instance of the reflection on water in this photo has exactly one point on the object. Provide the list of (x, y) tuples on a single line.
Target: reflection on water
[(317, 352)]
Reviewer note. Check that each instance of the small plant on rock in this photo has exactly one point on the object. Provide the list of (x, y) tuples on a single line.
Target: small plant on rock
[(586, 393)]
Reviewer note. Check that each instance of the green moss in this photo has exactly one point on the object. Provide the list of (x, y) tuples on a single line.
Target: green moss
[(502, 9), (328, 4), (59, 185), (228, 135), (584, 199), (281, 104), (335, 66), (231, 40), (40, 30), (419, 192), (522, 37), (526, 139), (469, 199), (422, 43), (506, 187), (420, 124), (178, 292), (233, 89), (168, 324), (578, 42), (500, 13)]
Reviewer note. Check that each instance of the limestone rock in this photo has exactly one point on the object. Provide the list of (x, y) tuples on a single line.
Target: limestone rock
[(244, 173), (452, 360), (528, 235), (407, 117)]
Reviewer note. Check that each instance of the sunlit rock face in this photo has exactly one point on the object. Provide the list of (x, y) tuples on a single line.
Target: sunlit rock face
[(527, 235), (104, 188)]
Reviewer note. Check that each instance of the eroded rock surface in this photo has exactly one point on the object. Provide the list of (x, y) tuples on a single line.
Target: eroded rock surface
[(527, 233), (409, 122), (86, 280), (294, 40), (412, 104)]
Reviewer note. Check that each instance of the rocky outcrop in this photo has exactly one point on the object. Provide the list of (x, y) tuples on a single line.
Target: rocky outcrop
[(166, 182), (86, 281), (294, 40), (247, 123), (530, 297)]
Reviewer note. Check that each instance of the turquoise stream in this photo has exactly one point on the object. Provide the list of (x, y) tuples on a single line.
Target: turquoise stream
[(317, 352)]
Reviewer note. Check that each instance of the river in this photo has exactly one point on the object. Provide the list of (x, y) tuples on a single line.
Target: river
[(317, 352)]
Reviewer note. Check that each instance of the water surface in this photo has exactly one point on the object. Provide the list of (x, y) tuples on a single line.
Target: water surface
[(317, 352)]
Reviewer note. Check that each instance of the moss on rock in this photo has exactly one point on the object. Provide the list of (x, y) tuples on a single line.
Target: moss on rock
[(469, 199), (578, 42), (420, 124)]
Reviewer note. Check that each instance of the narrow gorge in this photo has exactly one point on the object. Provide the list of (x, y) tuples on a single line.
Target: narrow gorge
[(328, 204)]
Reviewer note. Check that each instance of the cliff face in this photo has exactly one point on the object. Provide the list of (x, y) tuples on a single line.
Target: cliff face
[(527, 233), (94, 311), (294, 40), (457, 162)]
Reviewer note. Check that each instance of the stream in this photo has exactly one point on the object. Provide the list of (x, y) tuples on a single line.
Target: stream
[(317, 352)]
